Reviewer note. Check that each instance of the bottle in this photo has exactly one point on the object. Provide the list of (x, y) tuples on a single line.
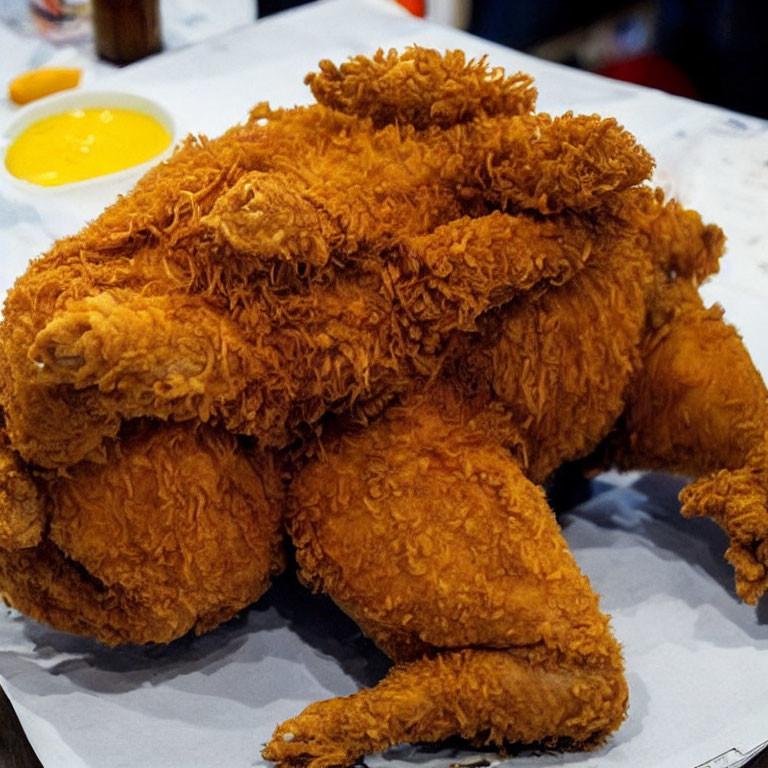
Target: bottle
[(126, 30)]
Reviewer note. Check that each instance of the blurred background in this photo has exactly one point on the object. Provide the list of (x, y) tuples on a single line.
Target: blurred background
[(712, 50)]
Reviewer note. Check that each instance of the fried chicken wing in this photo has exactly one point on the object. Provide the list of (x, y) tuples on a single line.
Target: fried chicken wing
[(421, 87), (699, 407)]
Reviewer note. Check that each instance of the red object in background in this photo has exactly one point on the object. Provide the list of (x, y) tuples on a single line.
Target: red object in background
[(416, 7), (654, 71)]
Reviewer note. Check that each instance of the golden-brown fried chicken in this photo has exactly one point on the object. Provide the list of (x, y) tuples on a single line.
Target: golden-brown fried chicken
[(433, 297), (312, 261), (178, 530), (431, 537), (268, 276), (428, 530)]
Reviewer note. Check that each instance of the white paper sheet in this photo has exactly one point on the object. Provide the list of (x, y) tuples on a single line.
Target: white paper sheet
[(697, 659)]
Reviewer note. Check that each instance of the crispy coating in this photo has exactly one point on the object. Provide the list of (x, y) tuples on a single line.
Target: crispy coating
[(485, 696), (22, 513), (412, 301), (699, 407), (570, 350), (178, 531), (737, 500), (699, 404), (297, 324), (421, 87), (393, 519), (678, 243), (432, 539)]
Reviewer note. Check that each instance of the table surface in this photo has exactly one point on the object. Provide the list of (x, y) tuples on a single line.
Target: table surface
[(15, 751)]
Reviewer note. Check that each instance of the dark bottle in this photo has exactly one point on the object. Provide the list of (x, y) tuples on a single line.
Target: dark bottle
[(126, 30)]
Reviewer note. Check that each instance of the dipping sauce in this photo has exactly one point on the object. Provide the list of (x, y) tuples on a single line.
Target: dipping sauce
[(84, 143)]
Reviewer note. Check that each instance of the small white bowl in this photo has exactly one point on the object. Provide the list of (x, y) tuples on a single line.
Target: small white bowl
[(84, 99)]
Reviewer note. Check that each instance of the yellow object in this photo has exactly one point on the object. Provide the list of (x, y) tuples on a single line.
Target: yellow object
[(40, 82), (84, 143)]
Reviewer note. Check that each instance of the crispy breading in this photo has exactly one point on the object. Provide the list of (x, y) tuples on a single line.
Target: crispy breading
[(421, 87), (178, 531), (405, 306)]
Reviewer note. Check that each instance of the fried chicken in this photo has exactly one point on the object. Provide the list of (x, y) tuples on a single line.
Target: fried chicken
[(209, 309), (387, 317), (178, 530)]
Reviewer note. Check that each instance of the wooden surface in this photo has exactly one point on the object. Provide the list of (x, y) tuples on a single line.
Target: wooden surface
[(15, 751)]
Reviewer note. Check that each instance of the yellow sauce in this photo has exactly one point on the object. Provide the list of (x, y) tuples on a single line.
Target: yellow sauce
[(84, 143)]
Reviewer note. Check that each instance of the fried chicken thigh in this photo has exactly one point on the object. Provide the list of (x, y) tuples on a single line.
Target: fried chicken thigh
[(178, 530), (385, 320)]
